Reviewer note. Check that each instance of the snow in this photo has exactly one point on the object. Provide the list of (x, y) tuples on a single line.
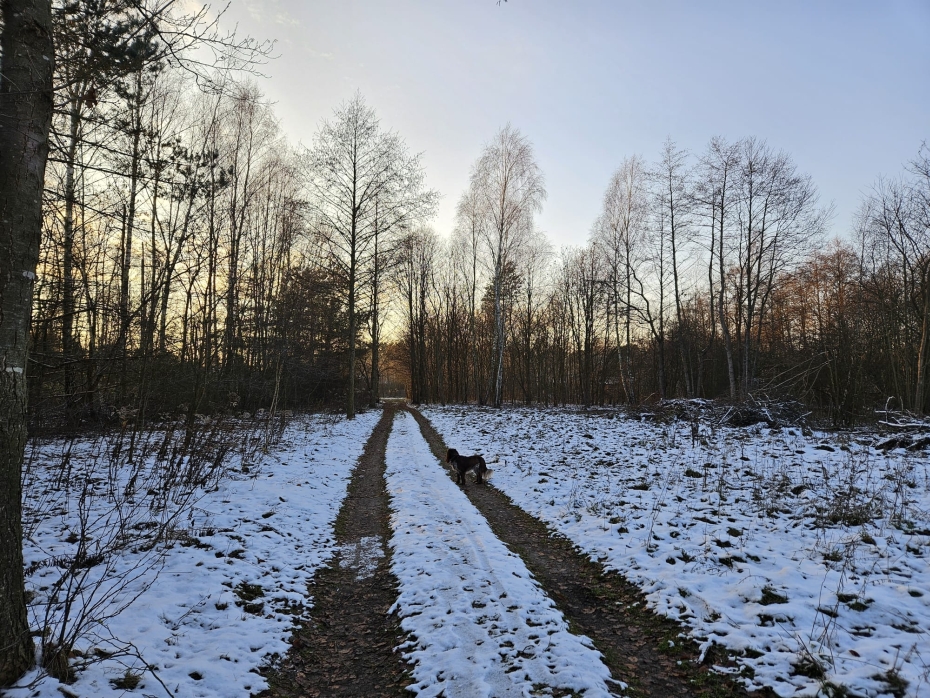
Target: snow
[(221, 601), (792, 549), (787, 548), (481, 625), (361, 555)]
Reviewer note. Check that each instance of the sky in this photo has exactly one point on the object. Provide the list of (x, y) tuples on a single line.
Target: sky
[(842, 86)]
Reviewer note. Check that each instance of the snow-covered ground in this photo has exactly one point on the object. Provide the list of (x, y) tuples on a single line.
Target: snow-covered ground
[(208, 611), (481, 625), (805, 553)]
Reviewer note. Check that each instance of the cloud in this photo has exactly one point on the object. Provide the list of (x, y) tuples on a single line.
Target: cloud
[(270, 10)]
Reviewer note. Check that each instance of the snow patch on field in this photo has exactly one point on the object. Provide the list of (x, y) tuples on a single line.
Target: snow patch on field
[(805, 554), (222, 600), (482, 626)]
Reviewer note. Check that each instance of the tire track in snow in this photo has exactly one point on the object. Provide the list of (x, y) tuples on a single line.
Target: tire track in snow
[(639, 647), (481, 625), (347, 646)]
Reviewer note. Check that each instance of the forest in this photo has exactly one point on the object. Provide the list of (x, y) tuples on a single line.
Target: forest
[(200, 314), (193, 260)]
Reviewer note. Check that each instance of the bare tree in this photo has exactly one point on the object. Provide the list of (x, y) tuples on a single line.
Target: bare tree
[(651, 287), (583, 289), (353, 166), (26, 103), (532, 267), (467, 236), (618, 235), (918, 235), (716, 192), (895, 233), (253, 132), (671, 179), (399, 207), (413, 276), (511, 189), (778, 219)]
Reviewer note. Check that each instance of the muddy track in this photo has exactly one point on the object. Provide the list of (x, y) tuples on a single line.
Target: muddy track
[(639, 647), (347, 646)]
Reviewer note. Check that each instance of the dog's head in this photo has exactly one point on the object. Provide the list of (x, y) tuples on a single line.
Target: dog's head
[(451, 455)]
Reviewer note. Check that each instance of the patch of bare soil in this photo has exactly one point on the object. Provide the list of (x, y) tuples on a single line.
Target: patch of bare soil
[(639, 647), (347, 646)]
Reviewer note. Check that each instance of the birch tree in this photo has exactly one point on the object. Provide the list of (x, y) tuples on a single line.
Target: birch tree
[(618, 235), (672, 190), (511, 189), (717, 195)]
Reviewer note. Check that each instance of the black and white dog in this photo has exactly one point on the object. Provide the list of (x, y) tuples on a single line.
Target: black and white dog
[(463, 464)]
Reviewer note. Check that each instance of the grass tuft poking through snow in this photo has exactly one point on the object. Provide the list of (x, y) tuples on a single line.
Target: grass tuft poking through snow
[(197, 609), (804, 554)]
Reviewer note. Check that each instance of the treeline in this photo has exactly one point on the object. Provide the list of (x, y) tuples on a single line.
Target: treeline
[(705, 275), (193, 261)]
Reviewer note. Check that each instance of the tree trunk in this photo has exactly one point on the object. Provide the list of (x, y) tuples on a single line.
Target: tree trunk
[(375, 371), (721, 311), (498, 337), (350, 398), (68, 300), (473, 328), (126, 246), (679, 315), (922, 350), (699, 388), (414, 371), (421, 331), (375, 334), (25, 113), (631, 393)]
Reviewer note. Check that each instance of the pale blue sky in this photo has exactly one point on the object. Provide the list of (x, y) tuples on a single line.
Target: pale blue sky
[(844, 87)]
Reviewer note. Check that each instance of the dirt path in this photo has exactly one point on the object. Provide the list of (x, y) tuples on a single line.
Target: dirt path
[(639, 647), (347, 647)]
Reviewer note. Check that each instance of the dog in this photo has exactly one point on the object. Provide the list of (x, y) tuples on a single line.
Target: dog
[(463, 464)]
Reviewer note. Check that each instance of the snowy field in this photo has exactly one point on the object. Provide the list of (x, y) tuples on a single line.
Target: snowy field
[(200, 612), (481, 626), (805, 554)]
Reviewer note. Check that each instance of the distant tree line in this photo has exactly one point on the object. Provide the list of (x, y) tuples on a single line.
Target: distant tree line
[(187, 259), (193, 261), (705, 275)]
